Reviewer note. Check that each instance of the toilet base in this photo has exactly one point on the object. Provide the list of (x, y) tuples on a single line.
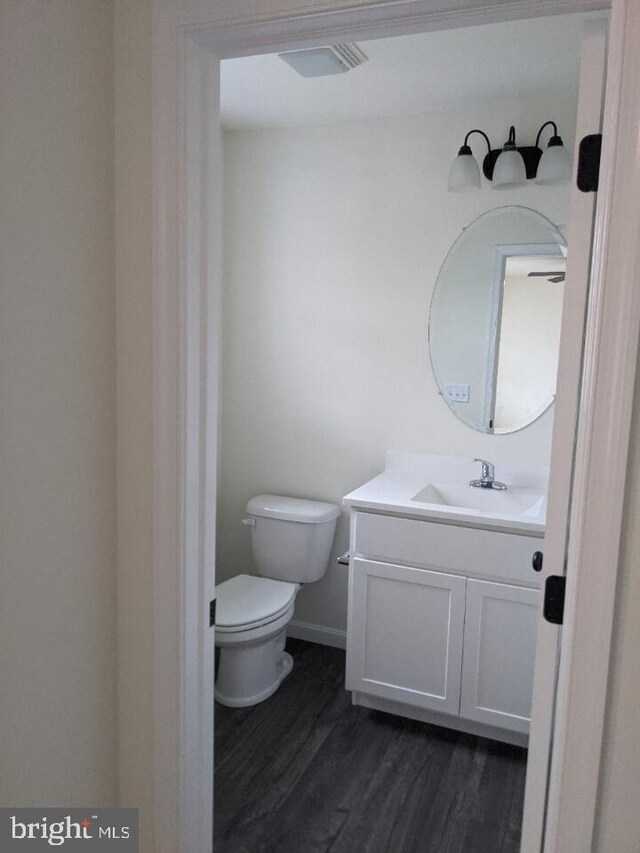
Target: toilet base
[(252, 664), (285, 665), (283, 668)]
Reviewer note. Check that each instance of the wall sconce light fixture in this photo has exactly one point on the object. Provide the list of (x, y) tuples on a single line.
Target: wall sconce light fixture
[(512, 165)]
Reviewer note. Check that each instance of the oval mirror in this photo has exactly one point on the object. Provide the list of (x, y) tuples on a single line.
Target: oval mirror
[(494, 325)]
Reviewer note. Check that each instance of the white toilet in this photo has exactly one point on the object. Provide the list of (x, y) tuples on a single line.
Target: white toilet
[(291, 540)]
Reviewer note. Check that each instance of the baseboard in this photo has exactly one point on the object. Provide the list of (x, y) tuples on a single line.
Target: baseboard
[(317, 634)]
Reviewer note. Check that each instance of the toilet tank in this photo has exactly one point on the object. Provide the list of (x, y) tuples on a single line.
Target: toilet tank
[(291, 538)]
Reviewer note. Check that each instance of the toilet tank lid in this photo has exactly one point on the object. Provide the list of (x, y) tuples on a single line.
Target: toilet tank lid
[(292, 509)]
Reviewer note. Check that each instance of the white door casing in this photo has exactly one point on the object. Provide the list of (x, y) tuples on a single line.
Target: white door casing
[(189, 37), (578, 269), (602, 450)]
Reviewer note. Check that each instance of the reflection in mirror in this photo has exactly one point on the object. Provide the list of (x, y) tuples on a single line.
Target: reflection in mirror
[(527, 339), (494, 327)]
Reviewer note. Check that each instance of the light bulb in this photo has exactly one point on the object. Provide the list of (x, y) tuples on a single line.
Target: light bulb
[(509, 171), (464, 174), (555, 164)]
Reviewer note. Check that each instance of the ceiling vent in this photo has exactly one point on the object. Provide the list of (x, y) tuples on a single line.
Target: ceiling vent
[(321, 61)]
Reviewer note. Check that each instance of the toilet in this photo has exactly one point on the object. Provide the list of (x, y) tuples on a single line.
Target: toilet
[(291, 541)]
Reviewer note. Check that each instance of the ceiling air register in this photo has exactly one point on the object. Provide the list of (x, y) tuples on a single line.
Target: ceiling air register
[(322, 61)]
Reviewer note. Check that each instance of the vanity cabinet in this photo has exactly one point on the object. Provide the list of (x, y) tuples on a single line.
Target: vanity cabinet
[(441, 625)]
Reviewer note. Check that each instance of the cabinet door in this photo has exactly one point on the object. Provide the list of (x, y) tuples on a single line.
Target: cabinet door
[(405, 634), (499, 649)]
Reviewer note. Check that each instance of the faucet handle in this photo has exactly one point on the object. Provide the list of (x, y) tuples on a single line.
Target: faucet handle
[(487, 479), (488, 468)]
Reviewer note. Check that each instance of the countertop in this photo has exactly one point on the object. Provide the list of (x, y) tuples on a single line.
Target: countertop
[(406, 474)]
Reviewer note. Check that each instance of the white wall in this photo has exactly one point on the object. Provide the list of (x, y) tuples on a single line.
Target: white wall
[(57, 405), (134, 377), (333, 241)]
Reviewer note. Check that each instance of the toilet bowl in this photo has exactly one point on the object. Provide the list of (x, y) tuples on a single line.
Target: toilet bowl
[(252, 615), (291, 540)]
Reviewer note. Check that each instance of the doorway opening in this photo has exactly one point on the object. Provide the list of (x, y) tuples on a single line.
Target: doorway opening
[(334, 231)]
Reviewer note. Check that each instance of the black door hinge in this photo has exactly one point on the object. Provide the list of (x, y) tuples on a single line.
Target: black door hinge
[(212, 613), (589, 163), (553, 607)]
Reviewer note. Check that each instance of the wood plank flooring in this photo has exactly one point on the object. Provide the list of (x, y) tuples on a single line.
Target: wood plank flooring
[(306, 772)]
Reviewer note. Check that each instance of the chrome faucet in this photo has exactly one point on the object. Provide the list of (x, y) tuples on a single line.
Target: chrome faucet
[(487, 478)]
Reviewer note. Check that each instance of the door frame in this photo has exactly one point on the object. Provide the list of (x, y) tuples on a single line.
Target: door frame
[(501, 254), (189, 37)]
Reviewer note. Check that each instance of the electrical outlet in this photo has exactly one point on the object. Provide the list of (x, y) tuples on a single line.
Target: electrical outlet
[(456, 393)]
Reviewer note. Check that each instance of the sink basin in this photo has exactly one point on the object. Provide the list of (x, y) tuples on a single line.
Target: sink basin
[(436, 488), (511, 501)]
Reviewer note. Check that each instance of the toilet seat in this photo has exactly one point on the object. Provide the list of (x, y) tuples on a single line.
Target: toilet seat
[(246, 602)]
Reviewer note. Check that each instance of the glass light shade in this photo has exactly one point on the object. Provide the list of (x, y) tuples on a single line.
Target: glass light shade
[(554, 166), (509, 171), (464, 174)]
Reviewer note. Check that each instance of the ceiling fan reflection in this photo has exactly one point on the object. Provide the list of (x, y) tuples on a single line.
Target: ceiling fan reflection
[(554, 276)]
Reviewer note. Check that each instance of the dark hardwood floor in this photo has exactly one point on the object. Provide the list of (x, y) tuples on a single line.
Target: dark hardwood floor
[(306, 772)]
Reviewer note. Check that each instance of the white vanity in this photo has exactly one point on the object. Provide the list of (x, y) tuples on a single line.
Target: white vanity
[(443, 600)]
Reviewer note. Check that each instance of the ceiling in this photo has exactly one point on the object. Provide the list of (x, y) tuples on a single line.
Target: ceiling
[(407, 75), (522, 265)]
